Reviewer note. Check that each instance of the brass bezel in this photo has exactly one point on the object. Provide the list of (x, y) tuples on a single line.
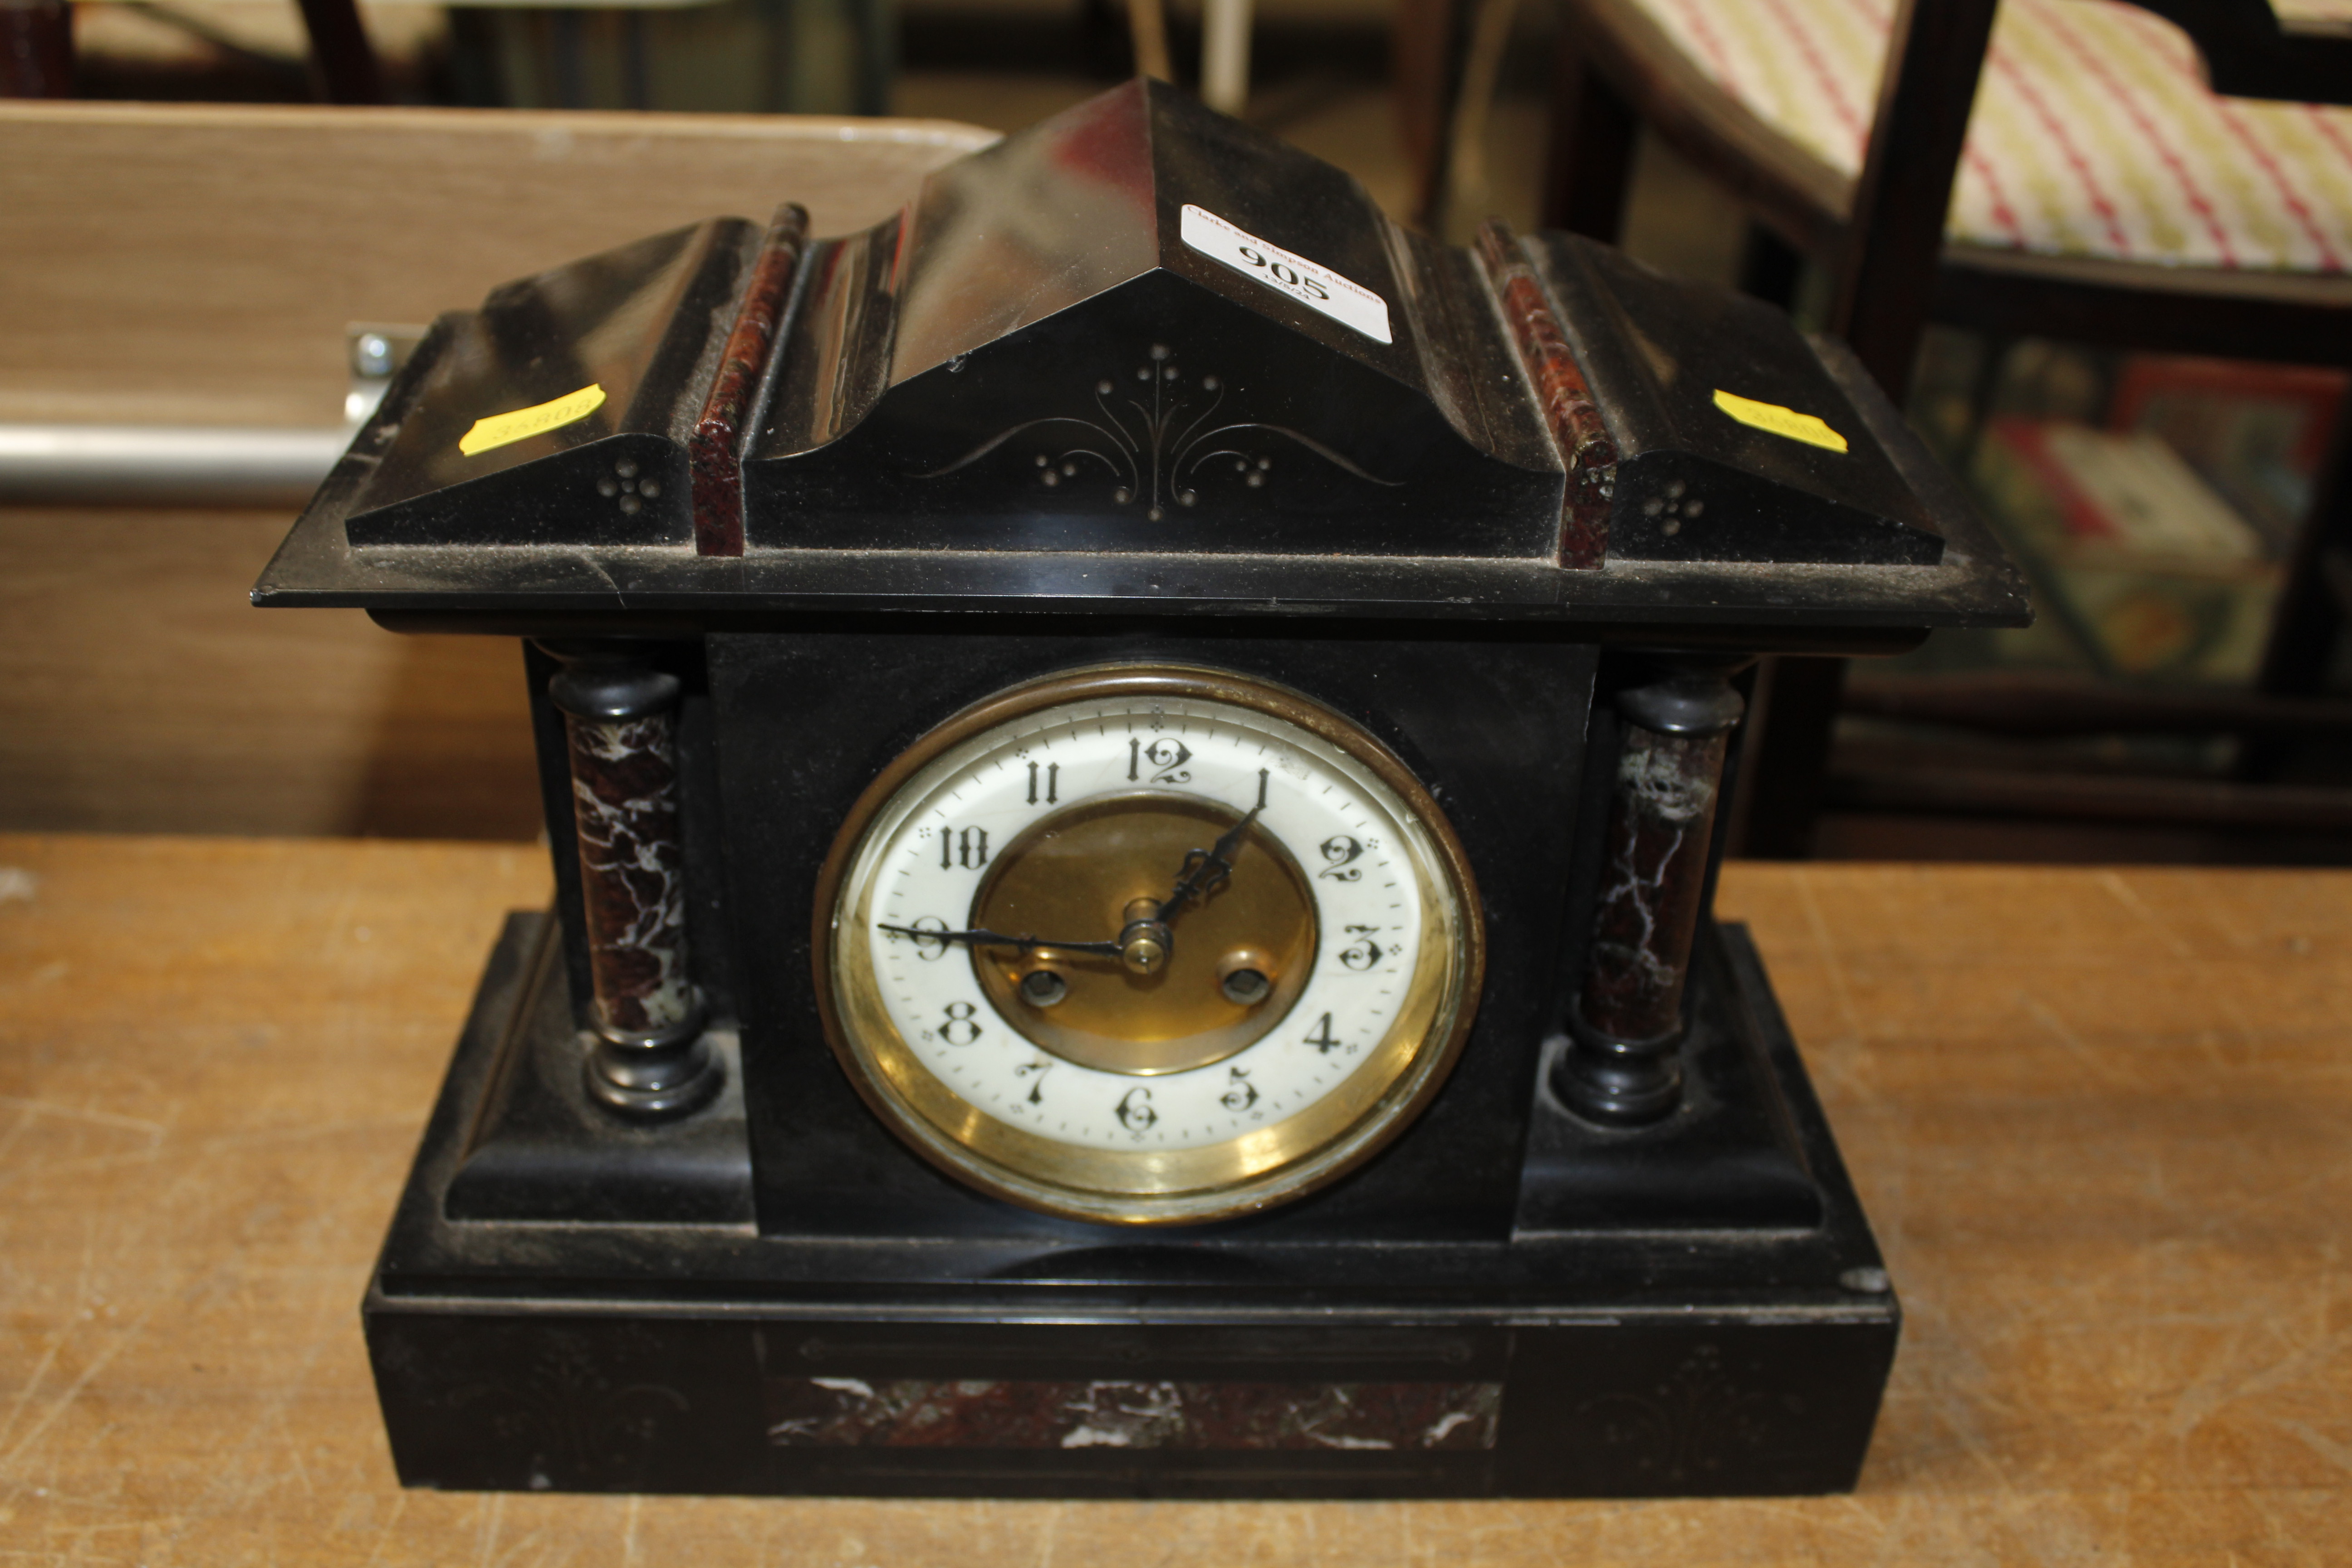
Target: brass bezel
[(1270, 1165)]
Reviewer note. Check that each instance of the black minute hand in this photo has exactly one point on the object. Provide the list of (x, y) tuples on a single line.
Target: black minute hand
[(998, 938), (1204, 873)]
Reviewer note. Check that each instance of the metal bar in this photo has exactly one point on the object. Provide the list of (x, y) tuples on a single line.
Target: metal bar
[(170, 464)]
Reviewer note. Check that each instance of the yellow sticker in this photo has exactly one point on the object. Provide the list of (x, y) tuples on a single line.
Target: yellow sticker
[(1780, 421), (499, 429)]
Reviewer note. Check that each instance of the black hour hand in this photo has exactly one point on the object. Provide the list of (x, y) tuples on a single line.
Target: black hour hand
[(1207, 870)]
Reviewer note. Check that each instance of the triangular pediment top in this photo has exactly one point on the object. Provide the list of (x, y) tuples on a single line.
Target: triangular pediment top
[(1098, 195), (1155, 411)]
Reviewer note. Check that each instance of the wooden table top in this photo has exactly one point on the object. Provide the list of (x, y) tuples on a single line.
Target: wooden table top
[(2099, 1119)]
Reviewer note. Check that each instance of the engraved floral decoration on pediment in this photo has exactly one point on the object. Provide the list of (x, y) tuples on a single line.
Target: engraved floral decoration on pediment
[(1158, 438)]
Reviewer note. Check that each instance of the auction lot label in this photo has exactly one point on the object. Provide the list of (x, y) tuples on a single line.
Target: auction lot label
[(1312, 285)]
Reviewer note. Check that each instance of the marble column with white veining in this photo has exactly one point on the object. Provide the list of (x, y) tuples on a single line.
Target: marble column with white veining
[(1673, 733), (620, 718)]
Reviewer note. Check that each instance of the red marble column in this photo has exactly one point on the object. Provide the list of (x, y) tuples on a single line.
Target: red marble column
[(1621, 1067), (620, 716)]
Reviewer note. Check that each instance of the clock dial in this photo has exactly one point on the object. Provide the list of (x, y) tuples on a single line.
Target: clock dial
[(1147, 945)]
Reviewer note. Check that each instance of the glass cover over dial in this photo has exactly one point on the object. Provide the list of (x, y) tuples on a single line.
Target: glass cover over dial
[(1147, 944)]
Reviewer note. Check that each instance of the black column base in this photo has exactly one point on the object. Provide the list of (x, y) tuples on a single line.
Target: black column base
[(1618, 1083), (670, 1074)]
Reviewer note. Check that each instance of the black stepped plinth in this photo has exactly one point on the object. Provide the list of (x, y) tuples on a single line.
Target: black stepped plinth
[(1738, 1345)]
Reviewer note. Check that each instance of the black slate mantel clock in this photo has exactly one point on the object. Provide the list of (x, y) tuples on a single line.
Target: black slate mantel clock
[(1132, 756)]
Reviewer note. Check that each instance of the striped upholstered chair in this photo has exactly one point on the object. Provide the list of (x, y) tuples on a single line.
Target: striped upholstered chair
[(2119, 182)]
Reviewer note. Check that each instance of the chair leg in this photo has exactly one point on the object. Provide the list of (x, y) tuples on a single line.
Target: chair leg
[(1146, 25), (477, 67), (1770, 267), (341, 54), (2309, 620), (636, 62), (1590, 164), (1785, 757), (1431, 47), (37, 50), (1225, 55), (877, 22), (568, 56), (1984, 390), (1895, 232)]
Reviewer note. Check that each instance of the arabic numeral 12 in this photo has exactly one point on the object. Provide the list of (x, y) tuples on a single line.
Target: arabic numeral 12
[(1164, 758)]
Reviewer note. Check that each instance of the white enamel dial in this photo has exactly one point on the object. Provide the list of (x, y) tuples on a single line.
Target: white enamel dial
[(1172, 1091)]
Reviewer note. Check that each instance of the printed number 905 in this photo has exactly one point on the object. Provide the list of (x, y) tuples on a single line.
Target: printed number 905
[(1283, 273)]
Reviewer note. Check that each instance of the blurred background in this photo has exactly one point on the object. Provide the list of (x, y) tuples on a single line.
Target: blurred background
[(2158, 502)]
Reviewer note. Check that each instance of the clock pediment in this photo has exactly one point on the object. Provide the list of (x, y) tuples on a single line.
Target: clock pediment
[(1141, 326), (1139, 351)]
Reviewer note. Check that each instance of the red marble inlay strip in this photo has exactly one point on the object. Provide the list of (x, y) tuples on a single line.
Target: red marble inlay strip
[(715, 450), (921, 1413), (1585, 445)]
